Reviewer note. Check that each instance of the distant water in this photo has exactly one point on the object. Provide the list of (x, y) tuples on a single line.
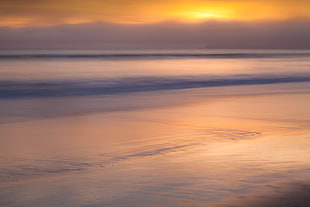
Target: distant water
[(151, 54), (152, 128), (81, 73)]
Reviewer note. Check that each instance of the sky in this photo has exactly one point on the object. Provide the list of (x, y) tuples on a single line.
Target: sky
[(151, 24)]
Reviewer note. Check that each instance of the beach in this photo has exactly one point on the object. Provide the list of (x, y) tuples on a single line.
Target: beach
[(155, 128)]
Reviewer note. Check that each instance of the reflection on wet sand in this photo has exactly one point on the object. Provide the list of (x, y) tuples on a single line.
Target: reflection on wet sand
[(295, 194), (245, 150)]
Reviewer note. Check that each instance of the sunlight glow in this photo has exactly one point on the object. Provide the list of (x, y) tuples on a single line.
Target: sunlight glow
[(202, 16), (206, 15), (148, 12)]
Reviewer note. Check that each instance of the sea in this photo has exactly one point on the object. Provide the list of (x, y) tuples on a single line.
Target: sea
[(215, 128)]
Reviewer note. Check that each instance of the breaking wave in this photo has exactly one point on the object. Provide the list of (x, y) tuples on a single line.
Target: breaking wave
[(33, 89)]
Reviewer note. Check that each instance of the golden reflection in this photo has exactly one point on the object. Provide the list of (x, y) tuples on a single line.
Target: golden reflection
[(210, 144)]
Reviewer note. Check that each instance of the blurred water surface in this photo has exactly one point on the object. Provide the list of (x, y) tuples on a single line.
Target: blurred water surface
[(152, 128)]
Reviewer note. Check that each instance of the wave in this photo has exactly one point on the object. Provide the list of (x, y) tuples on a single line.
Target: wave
[(33, 89), (138, 56), (150, 147)]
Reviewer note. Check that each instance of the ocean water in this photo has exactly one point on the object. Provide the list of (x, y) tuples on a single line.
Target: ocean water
[(154, 128)]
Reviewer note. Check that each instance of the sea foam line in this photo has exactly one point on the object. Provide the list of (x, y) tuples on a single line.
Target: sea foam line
[(34, 89)]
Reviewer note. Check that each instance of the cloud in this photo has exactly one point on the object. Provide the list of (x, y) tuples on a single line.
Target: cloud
[(209, 34), (55, 12)]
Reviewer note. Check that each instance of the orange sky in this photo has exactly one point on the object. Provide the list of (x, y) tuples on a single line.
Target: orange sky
[(54, 12)]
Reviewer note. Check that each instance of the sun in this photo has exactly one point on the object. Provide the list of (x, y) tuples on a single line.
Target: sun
[(203, 15)]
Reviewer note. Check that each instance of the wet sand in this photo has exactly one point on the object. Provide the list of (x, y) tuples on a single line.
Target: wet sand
[(247, 147)]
